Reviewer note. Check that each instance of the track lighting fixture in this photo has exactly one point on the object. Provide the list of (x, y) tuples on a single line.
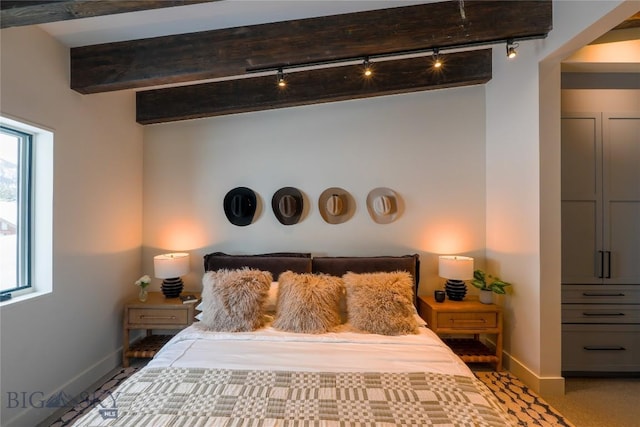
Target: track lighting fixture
[(512, 49), (282, 83), (366, 65), (437, 62)]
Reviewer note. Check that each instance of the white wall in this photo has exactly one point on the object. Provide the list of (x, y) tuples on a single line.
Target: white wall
[(512, 196), (66, 340), (428, 147)]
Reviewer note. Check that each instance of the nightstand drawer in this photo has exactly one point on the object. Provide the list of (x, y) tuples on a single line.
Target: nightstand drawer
[(156, 316), (467, 320), (468, 317)]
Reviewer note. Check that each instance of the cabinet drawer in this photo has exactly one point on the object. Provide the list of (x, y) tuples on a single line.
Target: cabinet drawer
[(471, 320), (600, 348), (601, 294), (600, 313), (156, 316)]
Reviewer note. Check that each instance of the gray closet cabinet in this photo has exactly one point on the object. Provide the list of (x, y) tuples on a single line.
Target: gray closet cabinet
[(600, 242)]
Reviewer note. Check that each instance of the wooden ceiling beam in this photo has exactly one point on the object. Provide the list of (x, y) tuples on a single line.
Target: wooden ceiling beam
[(632, 22), (231, 52), (19, 13), (312, 87)]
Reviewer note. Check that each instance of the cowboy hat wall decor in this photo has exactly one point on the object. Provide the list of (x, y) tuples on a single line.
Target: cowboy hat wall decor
[(240, 206), (336, 205), (287, 204), (383, 205)]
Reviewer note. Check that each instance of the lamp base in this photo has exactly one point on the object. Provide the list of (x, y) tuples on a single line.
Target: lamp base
[(172, 287), (455, 289)]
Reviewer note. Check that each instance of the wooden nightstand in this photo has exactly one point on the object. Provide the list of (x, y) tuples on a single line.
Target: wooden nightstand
[(468, 317), (157, 312)]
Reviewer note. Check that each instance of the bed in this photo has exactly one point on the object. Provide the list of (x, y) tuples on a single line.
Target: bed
[(335, 341)]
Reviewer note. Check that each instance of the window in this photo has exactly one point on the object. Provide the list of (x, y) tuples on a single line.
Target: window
[(26, 211), (15, 210)]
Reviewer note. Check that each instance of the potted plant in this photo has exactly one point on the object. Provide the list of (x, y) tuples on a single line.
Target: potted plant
[(481, 281)]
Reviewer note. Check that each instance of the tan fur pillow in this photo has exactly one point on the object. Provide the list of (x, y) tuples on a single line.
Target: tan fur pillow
[(233, 300), (381, 303), (308, 302)]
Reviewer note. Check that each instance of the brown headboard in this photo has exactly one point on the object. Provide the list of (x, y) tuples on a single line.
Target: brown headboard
[(279, 262), (276, 262), (337, 266)]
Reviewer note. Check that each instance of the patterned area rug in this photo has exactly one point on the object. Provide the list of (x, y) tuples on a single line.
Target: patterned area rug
[(84, 403), (527, 407)]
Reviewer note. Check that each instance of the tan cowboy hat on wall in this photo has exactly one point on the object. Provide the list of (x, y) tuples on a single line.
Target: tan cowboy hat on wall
[(383, 205), (336, 205)]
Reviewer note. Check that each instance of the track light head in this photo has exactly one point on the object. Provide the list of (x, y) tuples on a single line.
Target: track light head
[(366, 65), (512, 51), (437, 62), (282, 83)]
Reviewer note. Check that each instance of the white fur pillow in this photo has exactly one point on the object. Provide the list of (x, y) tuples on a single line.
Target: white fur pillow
[(308, 303), (233, 300), (381, 303)]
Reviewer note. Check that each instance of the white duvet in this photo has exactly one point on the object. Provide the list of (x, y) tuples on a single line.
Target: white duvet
[(344, 351)]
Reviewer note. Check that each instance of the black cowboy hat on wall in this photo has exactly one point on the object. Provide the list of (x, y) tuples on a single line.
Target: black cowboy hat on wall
[(240, 206)]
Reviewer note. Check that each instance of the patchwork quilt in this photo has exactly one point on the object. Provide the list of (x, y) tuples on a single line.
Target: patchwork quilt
[(222, 397)]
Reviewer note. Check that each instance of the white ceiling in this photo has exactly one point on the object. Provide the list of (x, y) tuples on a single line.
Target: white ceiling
[(202, 17)]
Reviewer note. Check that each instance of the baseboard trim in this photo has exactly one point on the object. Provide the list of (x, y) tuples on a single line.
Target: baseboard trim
[(544, 386), (74, 387)]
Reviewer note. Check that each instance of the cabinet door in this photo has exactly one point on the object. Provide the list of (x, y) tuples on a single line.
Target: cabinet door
[(581, 152), (621, 195)]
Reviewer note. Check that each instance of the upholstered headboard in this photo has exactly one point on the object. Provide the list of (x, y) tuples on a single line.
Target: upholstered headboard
[(276, 263), (337, 266), (297, 262)]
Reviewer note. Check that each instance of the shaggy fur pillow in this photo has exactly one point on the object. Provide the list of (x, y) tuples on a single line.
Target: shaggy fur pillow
[(272, 298), (308, 302), (233, 300), (381, 303)]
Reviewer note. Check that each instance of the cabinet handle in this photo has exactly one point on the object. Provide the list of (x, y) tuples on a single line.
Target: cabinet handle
[(601, 294), (470, 321), (604, 348), (608, 264), (158, 317), (601, 274), (587, 313)]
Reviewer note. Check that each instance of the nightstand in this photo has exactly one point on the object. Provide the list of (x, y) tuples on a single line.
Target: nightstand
[(157, 312), (467, 317)]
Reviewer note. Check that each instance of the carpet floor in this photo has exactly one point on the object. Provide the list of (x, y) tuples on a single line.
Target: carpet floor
[(518, 400)]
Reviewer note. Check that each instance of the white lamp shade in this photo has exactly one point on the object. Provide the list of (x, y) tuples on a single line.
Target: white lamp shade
[(169, 266), (455, 267)]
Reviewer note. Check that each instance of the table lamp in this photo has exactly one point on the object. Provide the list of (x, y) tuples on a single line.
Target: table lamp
[(456, 269), (170, 267)]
